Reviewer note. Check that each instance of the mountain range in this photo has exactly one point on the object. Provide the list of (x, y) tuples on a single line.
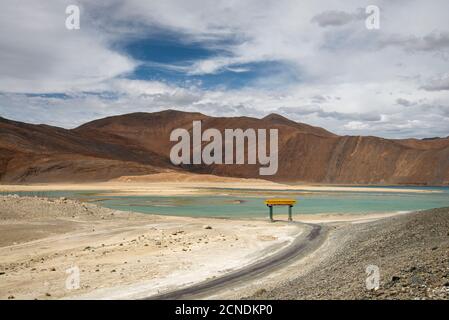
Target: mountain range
[(138, 144)]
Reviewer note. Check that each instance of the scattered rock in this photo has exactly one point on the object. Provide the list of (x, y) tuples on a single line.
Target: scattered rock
[(395, 278), (207, 227)]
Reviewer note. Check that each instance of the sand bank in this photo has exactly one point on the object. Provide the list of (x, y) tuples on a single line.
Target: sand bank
[(120, 254), (171, 184)]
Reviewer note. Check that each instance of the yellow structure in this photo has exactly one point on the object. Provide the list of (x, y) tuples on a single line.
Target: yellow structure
[(280, 202)]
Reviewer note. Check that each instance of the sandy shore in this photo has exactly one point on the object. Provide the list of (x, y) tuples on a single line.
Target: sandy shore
[(171, 184), (185, 189), (120, 254)]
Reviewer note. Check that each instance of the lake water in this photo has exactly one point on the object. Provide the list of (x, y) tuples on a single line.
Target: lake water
[(238, 203)]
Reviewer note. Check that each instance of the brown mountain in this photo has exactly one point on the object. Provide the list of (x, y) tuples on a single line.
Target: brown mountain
[(138, 144)]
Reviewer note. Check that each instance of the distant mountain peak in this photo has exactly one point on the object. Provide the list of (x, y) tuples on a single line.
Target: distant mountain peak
[(276, 116), (279, 119)]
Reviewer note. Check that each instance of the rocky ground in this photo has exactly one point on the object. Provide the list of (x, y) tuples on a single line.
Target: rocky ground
[(411, 252)]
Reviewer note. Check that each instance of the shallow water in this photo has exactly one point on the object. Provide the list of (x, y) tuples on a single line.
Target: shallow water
[(238, 203)]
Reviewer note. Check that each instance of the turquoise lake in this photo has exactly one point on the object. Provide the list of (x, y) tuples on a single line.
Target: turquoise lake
[(242, 204)]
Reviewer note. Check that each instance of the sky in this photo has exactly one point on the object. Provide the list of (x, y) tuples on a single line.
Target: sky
[(314, 62)]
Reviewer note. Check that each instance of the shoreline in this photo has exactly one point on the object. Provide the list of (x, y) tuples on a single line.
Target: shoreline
[(170, 184), (323, 217)]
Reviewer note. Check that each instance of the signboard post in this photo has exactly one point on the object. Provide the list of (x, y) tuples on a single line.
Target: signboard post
[(280, 202)]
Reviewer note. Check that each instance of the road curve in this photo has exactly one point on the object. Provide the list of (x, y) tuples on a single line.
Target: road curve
[(298, 248)]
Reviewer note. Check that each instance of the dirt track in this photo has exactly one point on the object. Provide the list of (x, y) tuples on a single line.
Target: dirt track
[(301, 245)]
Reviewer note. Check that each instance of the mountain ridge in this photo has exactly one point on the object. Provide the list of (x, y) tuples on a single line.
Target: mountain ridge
[(138, 144)]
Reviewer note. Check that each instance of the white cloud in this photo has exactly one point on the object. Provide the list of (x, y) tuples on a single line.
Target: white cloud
[(356, 125), (337, 18), (439, 83), (38, 53)]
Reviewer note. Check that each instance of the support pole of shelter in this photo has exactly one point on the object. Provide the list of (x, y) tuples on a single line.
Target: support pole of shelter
[(280, 202)]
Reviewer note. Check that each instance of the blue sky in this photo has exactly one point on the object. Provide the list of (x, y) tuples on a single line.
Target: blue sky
[(167, 57), (314, 62)]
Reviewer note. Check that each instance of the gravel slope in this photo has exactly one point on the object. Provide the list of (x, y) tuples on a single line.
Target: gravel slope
[(411, 251)]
